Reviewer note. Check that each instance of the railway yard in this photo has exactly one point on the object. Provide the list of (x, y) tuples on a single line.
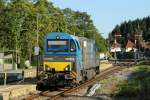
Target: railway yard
[(98, 88)]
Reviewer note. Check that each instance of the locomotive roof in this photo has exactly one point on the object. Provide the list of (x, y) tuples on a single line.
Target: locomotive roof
[(61, 35), (64, 35)]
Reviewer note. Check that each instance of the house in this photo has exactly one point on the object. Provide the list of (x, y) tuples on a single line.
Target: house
[(116, 47), (130, 46)]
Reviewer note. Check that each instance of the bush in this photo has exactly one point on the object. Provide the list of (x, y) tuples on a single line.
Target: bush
[(129, 89), (137, 86)]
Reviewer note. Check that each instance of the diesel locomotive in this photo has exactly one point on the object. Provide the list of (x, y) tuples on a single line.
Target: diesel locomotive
[(68, 60)]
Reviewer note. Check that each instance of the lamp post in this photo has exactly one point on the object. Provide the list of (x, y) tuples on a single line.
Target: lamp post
[(37, 49), (17, 42)]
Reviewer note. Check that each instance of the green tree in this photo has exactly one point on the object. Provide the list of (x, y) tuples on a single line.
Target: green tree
[(129, 28), (19, 20)]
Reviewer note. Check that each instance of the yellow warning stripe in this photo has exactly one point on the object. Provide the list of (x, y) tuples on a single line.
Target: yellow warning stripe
[(74, 74)]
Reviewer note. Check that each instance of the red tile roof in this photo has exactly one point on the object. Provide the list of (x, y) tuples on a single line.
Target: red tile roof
[(129, 44)]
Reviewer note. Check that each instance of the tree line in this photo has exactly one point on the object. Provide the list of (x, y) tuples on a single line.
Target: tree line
[(129, 29), (18, 25)]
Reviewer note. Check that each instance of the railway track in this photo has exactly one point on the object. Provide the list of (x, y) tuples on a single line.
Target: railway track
[(103, 75), (127, 64)]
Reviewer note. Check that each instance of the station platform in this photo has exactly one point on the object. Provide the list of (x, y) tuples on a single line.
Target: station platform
[(16, 75), (14, 91)]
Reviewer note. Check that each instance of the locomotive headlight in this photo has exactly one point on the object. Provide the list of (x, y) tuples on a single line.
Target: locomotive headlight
[(67, 68), (47, 68), (70, 59)]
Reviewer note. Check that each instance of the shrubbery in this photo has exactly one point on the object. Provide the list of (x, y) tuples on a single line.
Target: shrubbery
[(138, 84)]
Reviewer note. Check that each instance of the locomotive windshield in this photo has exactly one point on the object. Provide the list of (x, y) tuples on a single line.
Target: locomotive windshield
[(57, 45)]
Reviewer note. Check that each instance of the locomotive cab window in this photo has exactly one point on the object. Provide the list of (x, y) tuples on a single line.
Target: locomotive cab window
[(78, 44), (72, 46), (57, 45)]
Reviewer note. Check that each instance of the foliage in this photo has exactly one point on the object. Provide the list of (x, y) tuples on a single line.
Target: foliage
[(137, 86), (127, 30), (18, 25), (144, 62)]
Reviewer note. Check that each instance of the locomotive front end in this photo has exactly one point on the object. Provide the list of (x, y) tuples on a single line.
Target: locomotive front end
[(60, 65), (60, 59)]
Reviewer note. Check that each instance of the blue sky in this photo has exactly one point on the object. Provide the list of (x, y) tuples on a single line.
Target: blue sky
[(106, 14)]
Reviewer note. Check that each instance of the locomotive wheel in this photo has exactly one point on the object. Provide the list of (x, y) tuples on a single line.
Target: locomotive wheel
[(81, 82), (85, 78), (97, 70), (40, 87)]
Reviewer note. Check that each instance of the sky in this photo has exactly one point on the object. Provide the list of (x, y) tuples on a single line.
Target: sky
[(106, 14)]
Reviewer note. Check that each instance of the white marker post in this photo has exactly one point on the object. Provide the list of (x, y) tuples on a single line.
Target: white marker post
[(36, 53), (5, 78)]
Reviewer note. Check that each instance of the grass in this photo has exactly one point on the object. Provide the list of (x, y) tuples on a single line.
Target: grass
[(144, 62), (137, 85)]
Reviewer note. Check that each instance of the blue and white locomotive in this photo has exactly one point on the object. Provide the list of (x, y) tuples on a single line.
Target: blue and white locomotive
[(68, 59)]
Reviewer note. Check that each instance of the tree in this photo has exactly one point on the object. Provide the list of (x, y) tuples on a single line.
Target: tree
[(130, 28), (19, 20)]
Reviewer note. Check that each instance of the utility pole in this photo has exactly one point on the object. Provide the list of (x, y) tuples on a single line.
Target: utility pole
[(136, 36), (115, 54), (135, 49), (36, 49), (115, 50), (37, 29)]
